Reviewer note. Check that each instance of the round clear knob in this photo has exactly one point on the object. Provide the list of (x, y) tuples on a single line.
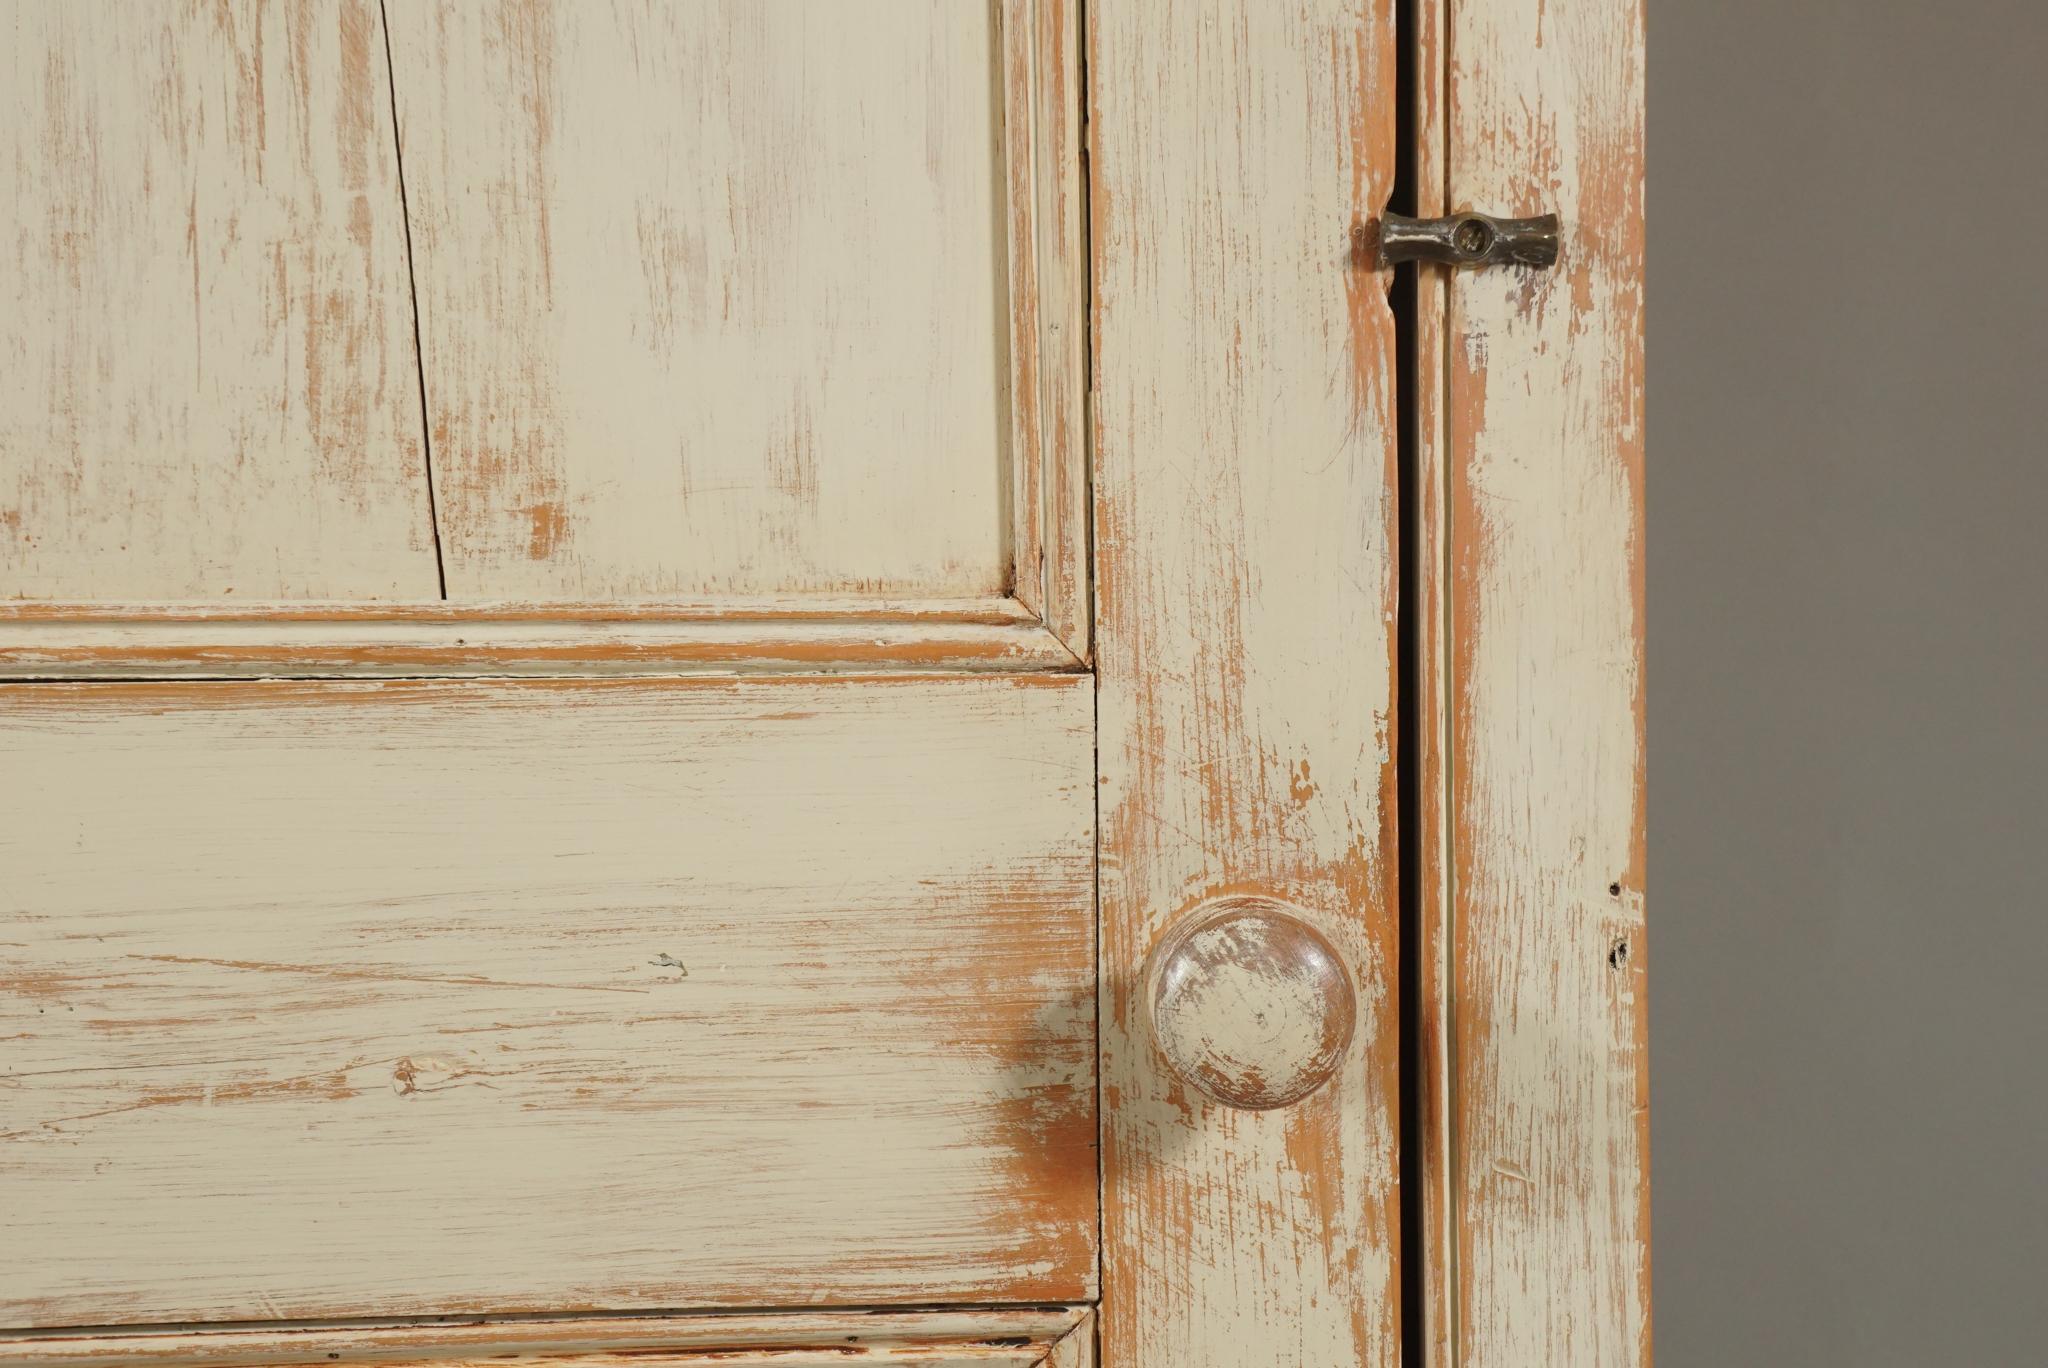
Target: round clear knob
[(1250, 1004)]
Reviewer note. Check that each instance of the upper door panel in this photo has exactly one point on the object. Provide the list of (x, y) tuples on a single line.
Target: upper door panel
[(544, 303)]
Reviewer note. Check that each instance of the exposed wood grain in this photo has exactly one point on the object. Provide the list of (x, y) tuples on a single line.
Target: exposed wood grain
[(1244, 515), (986, 1338), (1047, 241), (210, 380), (710, 294), (382, 999), (1544, 503)]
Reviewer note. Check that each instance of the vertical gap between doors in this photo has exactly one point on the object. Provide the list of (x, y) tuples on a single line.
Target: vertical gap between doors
[(1403, 299), (419, 351)]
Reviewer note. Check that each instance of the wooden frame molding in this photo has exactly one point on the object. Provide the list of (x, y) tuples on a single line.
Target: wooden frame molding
[(339, 641), (1023, 1337), (1531, 1068)]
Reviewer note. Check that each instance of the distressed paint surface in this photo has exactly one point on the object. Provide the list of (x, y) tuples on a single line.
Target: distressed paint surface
[(1245, 521), (1547, 1132), (204, 321), (984, 1338), (360, 999), (710, 295)]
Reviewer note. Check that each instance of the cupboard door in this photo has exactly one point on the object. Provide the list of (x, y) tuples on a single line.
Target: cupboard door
[(714, 660)]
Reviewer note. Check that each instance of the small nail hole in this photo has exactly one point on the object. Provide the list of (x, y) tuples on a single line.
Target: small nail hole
[(1617, 958), (1614, 890)]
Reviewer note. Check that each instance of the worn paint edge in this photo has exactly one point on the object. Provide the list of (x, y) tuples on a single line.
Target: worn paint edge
[(1009, 1335), (467, 647)]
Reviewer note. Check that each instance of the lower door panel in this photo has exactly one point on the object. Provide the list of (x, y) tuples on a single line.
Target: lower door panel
[(325, 999)]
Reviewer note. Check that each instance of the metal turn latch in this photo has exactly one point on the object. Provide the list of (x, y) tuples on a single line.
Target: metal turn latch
[(1469, 240)]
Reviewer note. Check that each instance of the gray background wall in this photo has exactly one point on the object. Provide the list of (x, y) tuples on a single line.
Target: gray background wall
[(1848, 645)]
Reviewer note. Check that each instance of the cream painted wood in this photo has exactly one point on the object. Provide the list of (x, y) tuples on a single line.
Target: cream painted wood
[(711, 295), (369, 999), (1535, 1105), (984, 1338), (207, 338), (1245, 524)]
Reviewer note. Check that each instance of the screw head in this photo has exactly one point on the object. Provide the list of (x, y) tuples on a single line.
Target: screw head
[(1472, 237)]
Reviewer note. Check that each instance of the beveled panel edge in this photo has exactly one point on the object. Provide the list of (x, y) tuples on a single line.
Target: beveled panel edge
[(1045, 228), (1017, 1336)]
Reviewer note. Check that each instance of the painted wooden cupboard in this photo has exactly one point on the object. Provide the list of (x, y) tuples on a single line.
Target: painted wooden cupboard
[(791, 682)]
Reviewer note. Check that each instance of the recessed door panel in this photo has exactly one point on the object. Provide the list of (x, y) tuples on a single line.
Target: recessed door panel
[(330, 999)]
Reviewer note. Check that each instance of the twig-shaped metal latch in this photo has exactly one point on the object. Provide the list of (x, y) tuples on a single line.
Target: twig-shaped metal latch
[(1469, 240)]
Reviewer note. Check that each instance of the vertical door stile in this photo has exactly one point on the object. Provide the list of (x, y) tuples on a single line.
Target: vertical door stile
[(1245, 506)]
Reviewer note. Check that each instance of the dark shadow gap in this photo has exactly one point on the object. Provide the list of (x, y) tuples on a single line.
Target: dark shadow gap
[(1403, 299)]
